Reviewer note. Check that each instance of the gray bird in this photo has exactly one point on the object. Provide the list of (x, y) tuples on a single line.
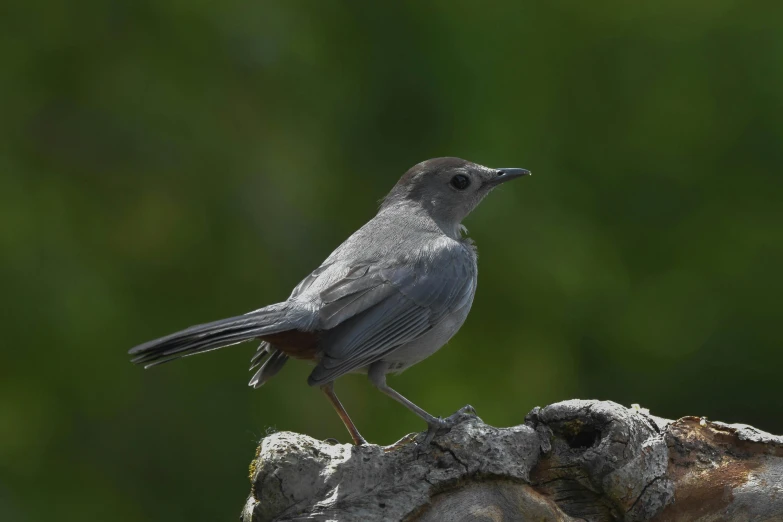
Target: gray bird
[(391, 295)]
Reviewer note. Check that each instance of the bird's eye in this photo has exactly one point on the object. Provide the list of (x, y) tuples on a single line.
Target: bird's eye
[(460, 182)]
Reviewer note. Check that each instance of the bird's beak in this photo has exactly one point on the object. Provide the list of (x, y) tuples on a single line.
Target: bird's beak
[(504, 175)]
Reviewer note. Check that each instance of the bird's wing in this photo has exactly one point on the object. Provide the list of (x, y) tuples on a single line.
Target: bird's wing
[(308, 281), (376, 308)]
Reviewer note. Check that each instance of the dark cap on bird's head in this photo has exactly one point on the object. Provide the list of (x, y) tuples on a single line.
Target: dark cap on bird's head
[(448, 188)]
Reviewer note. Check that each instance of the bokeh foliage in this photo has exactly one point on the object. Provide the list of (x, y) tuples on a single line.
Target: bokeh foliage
[(173, 162)]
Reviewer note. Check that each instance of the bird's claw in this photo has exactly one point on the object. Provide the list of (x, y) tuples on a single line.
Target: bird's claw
[(440, 426), (407, 439), (466, 410)]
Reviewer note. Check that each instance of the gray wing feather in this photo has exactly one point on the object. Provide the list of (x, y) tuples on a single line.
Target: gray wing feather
[(305, 284), (351, 295), (369, 336), (382, 308)]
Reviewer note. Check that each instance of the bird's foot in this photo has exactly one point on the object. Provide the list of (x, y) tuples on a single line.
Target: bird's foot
[(465, 410), (407, 439), (436, 426), (440, 426)]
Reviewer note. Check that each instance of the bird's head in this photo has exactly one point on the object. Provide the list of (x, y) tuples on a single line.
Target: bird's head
[(448, 189)]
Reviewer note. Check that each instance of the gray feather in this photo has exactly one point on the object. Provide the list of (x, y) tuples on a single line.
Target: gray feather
[(377, 309), (269, 369), (263, 350), (218, 334)]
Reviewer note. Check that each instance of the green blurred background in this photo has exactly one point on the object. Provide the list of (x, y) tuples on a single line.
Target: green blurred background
[(174, 162)]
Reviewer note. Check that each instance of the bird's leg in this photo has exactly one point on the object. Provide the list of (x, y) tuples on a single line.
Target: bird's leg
[(377, 375), (328, 389)]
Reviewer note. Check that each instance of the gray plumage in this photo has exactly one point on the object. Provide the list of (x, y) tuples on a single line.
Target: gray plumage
[(391, 295)]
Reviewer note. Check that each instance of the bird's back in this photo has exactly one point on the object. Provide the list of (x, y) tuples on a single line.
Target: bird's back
[(389, 240)]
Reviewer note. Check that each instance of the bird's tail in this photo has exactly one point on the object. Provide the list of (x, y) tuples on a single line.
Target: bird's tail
[(211, 336)]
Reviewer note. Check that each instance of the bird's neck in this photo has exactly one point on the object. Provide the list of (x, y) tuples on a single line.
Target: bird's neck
[(413, 214)]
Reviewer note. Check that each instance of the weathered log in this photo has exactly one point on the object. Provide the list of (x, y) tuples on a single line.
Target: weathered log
[(572, 461)]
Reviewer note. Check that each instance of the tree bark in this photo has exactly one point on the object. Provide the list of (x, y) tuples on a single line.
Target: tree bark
[(576, 460)]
